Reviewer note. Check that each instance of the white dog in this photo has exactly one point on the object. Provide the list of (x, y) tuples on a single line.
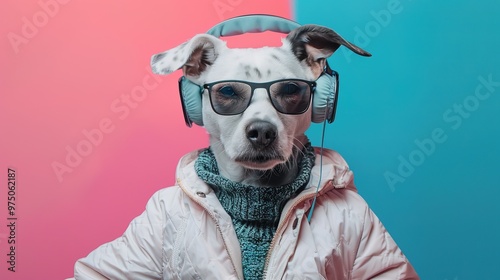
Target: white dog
[(239, 210)]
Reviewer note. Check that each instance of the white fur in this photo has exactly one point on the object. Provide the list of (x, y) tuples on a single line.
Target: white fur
[(227, 133)]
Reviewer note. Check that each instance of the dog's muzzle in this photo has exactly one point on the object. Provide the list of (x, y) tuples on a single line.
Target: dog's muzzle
[(261, 153)]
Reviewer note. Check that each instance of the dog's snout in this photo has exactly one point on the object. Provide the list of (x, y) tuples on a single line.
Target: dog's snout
[(261, 133)]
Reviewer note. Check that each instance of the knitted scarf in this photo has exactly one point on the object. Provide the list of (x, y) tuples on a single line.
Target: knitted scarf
[(255, 211)]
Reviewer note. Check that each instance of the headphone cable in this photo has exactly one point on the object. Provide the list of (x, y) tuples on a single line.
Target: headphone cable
[(328, 71), (309, 216)]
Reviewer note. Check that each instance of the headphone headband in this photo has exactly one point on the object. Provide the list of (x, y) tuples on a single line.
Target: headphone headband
[(252, 24)]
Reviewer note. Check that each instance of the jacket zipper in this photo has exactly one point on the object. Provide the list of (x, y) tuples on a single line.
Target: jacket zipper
[(287, 217), (211, 214)]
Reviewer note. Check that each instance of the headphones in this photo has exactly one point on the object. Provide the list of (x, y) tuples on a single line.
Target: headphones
[(325, 95)]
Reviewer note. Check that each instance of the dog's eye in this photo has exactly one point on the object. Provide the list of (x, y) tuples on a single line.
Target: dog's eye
[(289, 89), (227, 91)]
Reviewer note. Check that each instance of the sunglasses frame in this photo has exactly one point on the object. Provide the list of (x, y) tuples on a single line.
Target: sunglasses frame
[(267, 87)]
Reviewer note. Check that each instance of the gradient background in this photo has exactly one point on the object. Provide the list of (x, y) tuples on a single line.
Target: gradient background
[(78, 59)]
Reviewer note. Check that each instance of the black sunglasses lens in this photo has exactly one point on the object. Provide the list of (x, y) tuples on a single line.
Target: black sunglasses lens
[(291, 96), (230, 98)]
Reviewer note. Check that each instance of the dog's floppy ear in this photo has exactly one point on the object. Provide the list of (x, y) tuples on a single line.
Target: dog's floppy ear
[(314, 43), (193, 56)]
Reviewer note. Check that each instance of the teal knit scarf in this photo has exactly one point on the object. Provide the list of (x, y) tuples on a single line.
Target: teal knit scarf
[(255, 211)]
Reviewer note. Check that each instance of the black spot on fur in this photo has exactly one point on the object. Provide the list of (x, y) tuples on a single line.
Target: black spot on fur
[(275, 57), (158, 57), (257, 71), (247, 70)]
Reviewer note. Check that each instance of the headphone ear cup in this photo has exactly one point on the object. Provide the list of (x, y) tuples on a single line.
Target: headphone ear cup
[(191, 101), (324, 98)]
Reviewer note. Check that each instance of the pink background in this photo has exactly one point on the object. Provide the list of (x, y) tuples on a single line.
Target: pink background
[(65, 69)]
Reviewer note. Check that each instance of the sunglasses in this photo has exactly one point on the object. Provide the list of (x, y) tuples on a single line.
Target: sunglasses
[(288, 96)]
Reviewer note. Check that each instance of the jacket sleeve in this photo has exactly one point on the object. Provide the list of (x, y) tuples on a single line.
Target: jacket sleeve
[(378, 256), (137, 254)]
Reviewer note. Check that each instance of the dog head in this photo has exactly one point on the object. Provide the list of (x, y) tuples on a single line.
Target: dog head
[(262, 129)]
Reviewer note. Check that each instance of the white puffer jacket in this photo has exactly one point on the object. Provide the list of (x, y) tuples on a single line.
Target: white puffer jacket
[(186, 234)]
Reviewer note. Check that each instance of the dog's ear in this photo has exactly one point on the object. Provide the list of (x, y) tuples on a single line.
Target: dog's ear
[(314, 44), (193, 56)]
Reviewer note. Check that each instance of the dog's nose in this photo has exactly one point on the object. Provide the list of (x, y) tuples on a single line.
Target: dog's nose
[(261, 133)]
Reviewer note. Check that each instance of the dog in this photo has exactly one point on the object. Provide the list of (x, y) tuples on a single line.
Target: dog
[(260, 146), (245, 218)]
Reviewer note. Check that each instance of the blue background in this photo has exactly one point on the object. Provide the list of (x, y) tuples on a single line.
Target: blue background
[(427, 58)]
